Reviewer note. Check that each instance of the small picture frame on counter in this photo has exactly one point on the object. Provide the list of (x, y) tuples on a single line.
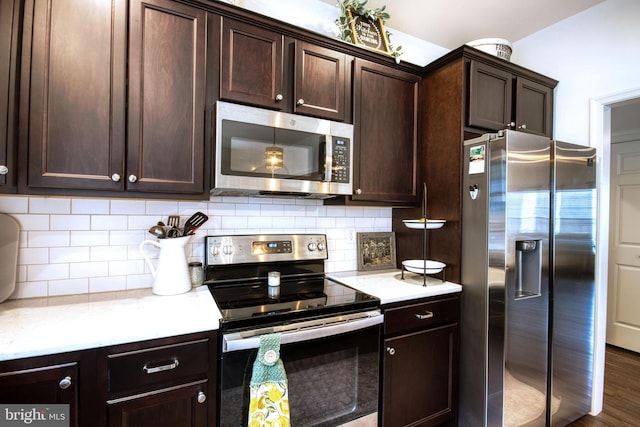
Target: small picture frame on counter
[(376, 251)]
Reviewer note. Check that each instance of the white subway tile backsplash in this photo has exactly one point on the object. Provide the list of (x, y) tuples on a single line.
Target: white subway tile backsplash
[(49, 205), (89, 238), (108, 253), (27, 256), (48, 239), (107, 284), (69, 254), (88, 269), (127, 207), (86, 245), (90, 206), (109, 222), (14, 204), (39, 272), (69, 286), (32, 222), (70, 222)]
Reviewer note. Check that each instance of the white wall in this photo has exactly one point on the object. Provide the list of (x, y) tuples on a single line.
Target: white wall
[(593, 54), (80, 245)]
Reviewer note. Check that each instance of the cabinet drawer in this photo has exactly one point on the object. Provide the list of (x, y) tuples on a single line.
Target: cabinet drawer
[(158, 365), (422, 316)]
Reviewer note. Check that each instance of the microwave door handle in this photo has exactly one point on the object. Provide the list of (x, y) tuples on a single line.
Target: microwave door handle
[(328, 158), (234, 342)]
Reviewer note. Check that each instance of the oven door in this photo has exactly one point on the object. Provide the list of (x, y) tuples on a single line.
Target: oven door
[(332, 372)]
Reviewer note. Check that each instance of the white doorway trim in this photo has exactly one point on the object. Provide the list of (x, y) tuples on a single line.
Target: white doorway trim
[(600, 138)]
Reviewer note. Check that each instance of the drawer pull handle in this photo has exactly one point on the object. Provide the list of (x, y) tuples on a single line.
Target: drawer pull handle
[(427, 315), (161, 368)]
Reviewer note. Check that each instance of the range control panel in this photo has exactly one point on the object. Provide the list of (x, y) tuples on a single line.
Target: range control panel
[(241, 249)]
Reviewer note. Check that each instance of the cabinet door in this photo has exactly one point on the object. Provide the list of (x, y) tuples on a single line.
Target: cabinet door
[(420, 377), (165, 151), (45, 385), (321, 82), (534, 107), (490, 95), (181, 406), (73, 90), (252, 65), (386, 134), (10, 12)]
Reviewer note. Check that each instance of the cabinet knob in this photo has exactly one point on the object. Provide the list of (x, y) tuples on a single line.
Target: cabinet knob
[(4, 170), (511, 125), (279, 97), (115, 177), (358, 191), (202, 397), (391, 351), (300, 101), (133, 178), (522, 127), (65, 383)]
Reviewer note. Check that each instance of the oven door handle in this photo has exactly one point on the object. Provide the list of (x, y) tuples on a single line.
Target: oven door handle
[(292, 334)]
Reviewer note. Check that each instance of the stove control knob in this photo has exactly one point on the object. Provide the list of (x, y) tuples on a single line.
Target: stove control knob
[(227, 249), (321, 246), (215, 250), (311, 246)]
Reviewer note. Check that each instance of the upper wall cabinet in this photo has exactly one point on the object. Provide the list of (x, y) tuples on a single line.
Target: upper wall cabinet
[(500, 99), (166, 109), (386, 134), (258, 66), (10, 12), (73, 93), (74, 89)]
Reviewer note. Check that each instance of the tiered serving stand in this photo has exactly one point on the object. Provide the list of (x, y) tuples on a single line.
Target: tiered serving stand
[(424, 266)]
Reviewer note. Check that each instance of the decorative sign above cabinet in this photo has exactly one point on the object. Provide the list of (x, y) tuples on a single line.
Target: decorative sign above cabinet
[(368, 32)]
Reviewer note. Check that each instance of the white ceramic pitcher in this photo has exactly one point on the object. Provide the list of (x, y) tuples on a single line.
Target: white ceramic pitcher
[(171, 277)]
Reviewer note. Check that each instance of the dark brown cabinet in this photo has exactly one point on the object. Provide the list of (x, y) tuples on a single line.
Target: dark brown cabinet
[(499, 99), (10, 24), (168, 382), (420, 363), (66, 378), (464, 94), (267, 69), (73, 94), (78, 97), (166, 108), (385, 119)]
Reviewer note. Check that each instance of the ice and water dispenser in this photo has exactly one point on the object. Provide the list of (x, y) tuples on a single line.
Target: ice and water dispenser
[(528, 268)]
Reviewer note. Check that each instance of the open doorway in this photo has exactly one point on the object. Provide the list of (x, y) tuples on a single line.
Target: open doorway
[(623, 292), (600, 138)]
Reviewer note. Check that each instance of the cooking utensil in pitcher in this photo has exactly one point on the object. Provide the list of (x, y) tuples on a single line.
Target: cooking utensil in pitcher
[(194, 222)]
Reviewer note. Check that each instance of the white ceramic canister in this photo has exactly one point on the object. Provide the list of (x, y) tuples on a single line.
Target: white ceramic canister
[(171, 276)]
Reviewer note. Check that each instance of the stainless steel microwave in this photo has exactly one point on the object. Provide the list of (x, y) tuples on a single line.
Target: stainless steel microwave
[(261, 152)]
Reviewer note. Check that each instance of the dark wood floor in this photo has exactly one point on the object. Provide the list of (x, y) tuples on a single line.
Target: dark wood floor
[(621, 406)]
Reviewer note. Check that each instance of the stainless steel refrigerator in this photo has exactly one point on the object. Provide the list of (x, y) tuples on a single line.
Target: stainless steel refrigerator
[(528, 252)]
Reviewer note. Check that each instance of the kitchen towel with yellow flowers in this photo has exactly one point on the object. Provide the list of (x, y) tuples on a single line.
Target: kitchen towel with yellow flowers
[(269, 396)]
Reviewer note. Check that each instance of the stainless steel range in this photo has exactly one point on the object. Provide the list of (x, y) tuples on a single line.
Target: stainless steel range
[(330, 333)]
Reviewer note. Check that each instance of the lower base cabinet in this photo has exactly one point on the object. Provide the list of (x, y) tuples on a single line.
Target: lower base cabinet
[(167, 382), (183, 405), (420, 363)]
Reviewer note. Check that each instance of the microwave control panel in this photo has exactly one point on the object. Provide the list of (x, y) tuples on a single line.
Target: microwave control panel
[(341, 159)]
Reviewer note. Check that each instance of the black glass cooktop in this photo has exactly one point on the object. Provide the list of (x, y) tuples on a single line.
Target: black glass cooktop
[(248, 304)]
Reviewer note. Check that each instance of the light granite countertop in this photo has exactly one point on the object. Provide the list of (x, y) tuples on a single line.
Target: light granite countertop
[(389, 286), (40, 326)]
